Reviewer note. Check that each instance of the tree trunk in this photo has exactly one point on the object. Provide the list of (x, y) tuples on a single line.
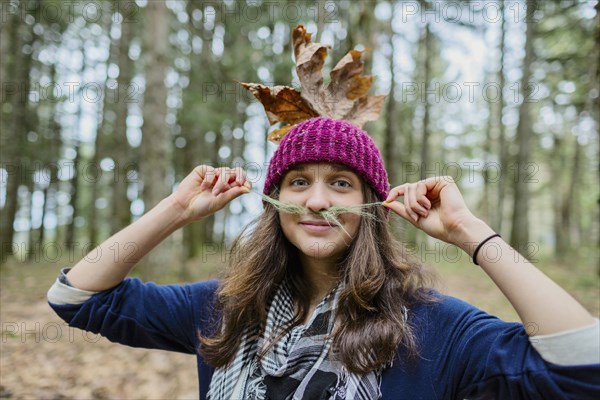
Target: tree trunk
[(558, 167), (156, 144), (502, 145), (193, 137), (27, 205), (392, 129), (70, 233), (36, 243), (49, 192), (209, 150), (519, 236), (485, 206), (100, 144), (426, 77), (572, 199), (121, 215), (51, 160), (14, 138)]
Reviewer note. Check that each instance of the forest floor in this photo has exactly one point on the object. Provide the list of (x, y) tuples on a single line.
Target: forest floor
[(42, 358)]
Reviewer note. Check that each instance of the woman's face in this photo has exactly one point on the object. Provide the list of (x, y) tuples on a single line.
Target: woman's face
[(318, 186)]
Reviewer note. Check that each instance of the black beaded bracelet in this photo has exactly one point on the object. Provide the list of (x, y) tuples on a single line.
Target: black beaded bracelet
[(481, 244)]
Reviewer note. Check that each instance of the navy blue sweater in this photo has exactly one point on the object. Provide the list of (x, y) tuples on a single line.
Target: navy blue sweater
[(464, 352)]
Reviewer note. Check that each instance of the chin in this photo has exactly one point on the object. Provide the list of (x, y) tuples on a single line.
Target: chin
[(321, 249)]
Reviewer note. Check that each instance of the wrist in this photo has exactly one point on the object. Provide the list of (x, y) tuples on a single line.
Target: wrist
[(173, 211), (470, 233)]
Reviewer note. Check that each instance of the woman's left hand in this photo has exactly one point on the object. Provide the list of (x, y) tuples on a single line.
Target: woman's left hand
[(434, 205)]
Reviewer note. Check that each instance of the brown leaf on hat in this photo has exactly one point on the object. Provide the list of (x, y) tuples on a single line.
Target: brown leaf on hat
[(282, 103), (365, 109), (348, 88), (345, 97), (278, 134), (310, 58)]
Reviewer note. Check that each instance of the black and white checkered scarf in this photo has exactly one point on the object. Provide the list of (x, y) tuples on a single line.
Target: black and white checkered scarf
[(298, 366)]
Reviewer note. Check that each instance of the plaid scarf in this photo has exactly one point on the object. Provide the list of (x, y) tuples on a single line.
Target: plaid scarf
[(298, 366)]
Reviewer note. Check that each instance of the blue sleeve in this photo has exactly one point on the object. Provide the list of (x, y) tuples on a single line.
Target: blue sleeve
[(148, 315), (489, 358)]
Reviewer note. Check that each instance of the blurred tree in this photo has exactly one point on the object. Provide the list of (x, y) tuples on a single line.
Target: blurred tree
[(102, 146), (393, 130), (46, 178), (16, 67), (495, 145), (75, 181), (192, 154), (504, 155), (121, 151), (155, 150), (519, 236), (427, 54)]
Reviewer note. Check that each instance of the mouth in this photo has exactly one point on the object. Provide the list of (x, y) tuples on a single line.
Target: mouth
[(319, 223), (316, 226)]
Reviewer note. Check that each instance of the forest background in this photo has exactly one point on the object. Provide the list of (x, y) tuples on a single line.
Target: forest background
[(107, 105)]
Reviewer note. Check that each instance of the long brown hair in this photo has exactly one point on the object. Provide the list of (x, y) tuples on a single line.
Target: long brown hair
[(380, 284)]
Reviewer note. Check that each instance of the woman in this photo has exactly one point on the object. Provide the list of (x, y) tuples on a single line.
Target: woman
[(315, 309)]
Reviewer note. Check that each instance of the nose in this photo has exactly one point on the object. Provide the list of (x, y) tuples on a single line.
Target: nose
[(317, 197)]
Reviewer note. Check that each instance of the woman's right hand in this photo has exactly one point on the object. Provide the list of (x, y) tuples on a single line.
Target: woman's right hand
[(206, 190)]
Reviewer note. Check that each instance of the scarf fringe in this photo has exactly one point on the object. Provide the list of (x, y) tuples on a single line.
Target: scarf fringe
[(255, 388)]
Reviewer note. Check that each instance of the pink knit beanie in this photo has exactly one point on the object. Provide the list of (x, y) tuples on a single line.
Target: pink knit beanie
[(326, 139)]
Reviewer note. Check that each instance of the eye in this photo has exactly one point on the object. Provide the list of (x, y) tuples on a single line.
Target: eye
[(298, 182), (343, 183)]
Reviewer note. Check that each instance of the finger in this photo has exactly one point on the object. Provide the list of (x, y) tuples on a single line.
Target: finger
[(435, 184), (418, 197), (231, 175), (396, 192), (241, 178), (424, 201), (409, 202), (201, 170), (399, 209), (208, 179), (233, 192), (223, 176), (229, 178), (399, 191)]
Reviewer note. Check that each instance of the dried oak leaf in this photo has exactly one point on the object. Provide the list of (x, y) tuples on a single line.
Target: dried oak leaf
[(345, 97), (282, 103), (346, 94), (310, 58), (278, 134)]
